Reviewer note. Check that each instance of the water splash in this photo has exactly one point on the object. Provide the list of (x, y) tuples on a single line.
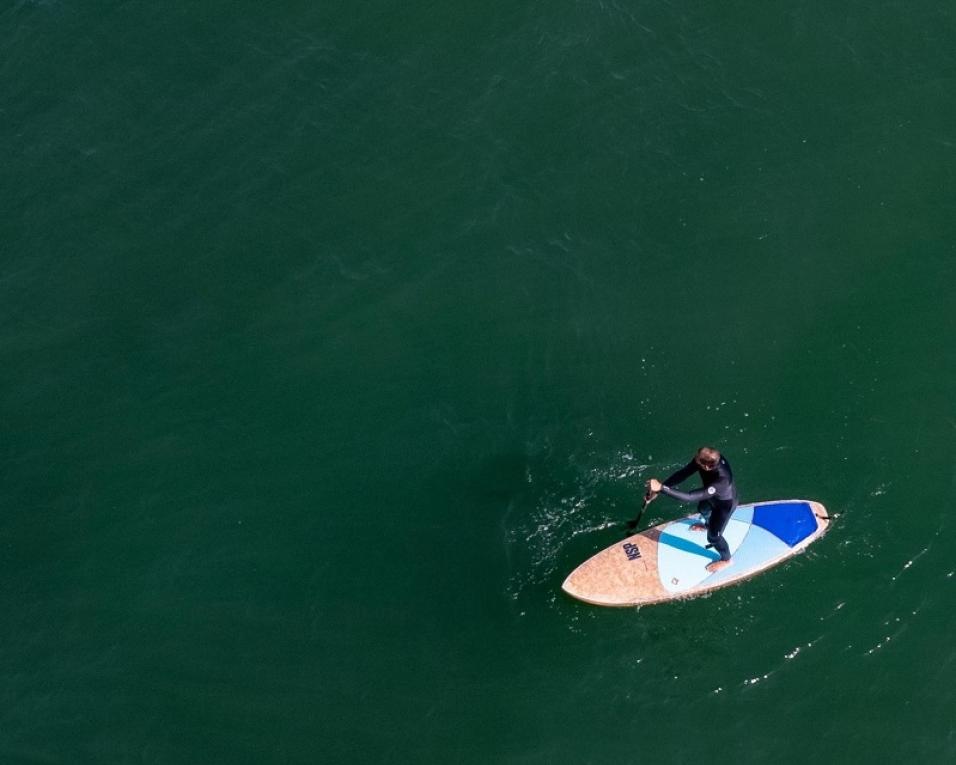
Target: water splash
[(910, 562), (589, 494)]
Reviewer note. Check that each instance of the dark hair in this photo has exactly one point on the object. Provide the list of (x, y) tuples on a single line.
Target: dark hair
[(708, 455)]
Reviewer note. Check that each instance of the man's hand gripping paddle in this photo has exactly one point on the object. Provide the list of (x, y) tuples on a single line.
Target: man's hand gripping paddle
[(648, 498)]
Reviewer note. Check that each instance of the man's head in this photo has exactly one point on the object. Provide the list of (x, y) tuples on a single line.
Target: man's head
[(707, 457)]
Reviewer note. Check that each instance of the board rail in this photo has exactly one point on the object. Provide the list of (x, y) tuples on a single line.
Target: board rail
[(627, 572)]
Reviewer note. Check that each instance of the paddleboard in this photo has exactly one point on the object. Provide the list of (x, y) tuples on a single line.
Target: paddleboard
[(669, 561)]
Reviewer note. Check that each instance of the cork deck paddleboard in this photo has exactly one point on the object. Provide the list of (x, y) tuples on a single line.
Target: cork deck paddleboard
[(669, 561)]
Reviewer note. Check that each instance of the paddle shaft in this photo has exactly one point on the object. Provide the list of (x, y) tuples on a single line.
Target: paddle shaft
[(648, 498)]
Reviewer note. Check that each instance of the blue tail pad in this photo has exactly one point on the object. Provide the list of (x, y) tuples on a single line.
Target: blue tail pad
[(790, 521)]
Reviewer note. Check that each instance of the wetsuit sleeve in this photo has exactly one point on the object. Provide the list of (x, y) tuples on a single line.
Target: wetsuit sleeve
[(681, 475), (692, 496)]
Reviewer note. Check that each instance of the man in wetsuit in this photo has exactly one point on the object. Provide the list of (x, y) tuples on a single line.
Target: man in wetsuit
[(716, 499)]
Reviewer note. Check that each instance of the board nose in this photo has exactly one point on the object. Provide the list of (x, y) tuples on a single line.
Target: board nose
[(576, 589)]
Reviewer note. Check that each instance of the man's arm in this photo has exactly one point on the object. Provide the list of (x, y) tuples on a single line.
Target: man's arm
[(681, 475), (692, 496)]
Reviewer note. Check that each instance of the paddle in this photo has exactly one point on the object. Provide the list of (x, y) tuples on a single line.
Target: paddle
[(648, 498)]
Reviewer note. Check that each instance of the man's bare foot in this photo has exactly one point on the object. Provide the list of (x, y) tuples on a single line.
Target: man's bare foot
[(717, 565), (698, 527)]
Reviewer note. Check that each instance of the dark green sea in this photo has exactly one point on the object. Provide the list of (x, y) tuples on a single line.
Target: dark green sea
[(333, 336)]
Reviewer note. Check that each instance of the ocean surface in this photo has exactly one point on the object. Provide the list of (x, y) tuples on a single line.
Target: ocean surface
[(333, 336)]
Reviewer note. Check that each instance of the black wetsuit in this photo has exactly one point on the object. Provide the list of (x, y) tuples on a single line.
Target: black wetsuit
[(716, 499)]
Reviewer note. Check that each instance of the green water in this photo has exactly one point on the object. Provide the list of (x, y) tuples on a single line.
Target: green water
[(333, 338)]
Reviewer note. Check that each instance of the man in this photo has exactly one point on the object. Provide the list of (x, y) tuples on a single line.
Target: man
[(717, 498)]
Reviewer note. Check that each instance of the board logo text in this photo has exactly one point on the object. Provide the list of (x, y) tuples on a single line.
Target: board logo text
[(632, 551)]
